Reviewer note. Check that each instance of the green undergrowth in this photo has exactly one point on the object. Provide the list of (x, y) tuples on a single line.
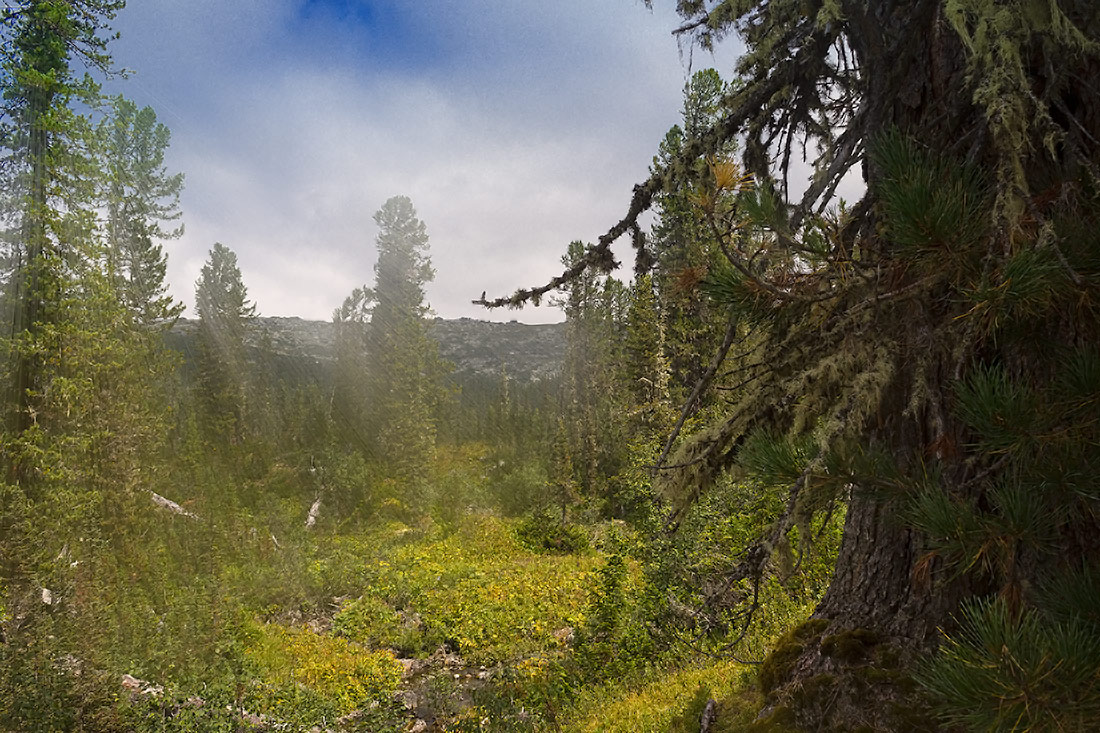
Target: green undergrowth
[(671, 701), (340, 675), (243, 608), (476, 589)]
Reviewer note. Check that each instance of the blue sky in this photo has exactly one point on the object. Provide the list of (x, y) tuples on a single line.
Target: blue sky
[(514, 126)]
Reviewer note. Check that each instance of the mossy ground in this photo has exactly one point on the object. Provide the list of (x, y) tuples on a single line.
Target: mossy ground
[(251, 613)]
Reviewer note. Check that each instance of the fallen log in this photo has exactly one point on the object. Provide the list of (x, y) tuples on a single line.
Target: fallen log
[(314, 512), (171, 505)]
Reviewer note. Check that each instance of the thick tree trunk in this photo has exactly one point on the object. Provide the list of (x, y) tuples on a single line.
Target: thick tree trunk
[(850, 666), (887, 602), (874, 586), (28, 308)]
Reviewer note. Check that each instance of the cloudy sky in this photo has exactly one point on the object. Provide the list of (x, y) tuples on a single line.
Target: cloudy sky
[(515, 126)]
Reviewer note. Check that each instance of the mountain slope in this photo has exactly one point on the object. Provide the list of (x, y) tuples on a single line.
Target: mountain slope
[(476, 348)]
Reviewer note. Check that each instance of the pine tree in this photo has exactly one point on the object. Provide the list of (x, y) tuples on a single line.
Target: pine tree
[(225, 319), (389, 381), (141, 199), (912, 341), (900, 403)]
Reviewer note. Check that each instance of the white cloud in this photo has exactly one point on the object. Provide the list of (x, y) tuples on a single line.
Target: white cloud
[(526, 133)]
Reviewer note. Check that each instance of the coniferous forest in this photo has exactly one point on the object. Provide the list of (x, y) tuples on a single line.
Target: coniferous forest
[(805, 464)]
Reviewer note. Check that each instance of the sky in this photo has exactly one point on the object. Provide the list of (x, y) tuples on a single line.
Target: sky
[(515, 126)]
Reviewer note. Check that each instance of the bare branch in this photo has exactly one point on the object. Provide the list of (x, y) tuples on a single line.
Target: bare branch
[(745, 104)]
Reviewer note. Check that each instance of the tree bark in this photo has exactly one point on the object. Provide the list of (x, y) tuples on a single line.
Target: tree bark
[(28, 310), (886, 593)]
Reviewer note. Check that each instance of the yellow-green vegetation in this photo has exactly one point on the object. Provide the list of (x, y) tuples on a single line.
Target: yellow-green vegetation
[(671, 702), (342, 674), (476, 588)]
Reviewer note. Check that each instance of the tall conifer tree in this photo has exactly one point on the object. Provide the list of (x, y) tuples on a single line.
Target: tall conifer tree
[(142, 202), (684, 247), (226, 316), (42, 39), (389, 378)]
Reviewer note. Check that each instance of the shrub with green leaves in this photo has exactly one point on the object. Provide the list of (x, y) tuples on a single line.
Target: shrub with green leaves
[(372, 620), (541, 531), (339, 674), (475, 588)]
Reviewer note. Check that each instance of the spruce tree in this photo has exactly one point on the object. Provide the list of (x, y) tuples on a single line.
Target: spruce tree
[(42, 147), (389, 380), (592, 400), (646, 366), (226, 317), (86, 414), (141, 201), (684, 247)]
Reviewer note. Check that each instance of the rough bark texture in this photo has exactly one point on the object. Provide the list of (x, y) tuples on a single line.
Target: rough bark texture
[(887, 603), (873, 586)]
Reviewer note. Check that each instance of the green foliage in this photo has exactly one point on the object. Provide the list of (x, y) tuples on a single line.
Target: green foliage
[(1017, 672), (774, 460), (727, 286), (1027, 286), (671, 702), (684, 248), (478, 590), (369, 618), (540, 532), (936, 211), (585, 449), (647, 371), (1073, 594), (140, 199), (389, 378), (341, 674), (354, 486), (609, 602), (518, 485), (225, 318)]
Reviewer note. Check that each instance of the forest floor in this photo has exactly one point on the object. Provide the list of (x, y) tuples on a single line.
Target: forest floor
[(457, 628), (229, 614)]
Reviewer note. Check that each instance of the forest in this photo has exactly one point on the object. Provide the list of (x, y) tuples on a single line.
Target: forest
[(810, 465)]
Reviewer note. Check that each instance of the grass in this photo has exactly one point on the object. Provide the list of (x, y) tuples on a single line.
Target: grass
[(671, 702), (341, 674), (476, 589)]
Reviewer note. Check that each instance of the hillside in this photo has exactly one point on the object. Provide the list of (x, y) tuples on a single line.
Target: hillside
[(476, 348)]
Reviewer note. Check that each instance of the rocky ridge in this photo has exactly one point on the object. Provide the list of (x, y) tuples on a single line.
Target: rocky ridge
[(476, 348)]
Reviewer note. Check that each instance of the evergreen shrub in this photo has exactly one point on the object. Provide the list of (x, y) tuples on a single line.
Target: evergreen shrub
[(541, 532)]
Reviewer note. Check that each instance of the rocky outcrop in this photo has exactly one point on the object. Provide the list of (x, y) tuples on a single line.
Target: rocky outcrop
[(475, 348)]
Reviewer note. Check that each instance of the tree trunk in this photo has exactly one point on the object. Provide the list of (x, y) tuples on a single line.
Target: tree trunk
[(850, 667), (33, 273)]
